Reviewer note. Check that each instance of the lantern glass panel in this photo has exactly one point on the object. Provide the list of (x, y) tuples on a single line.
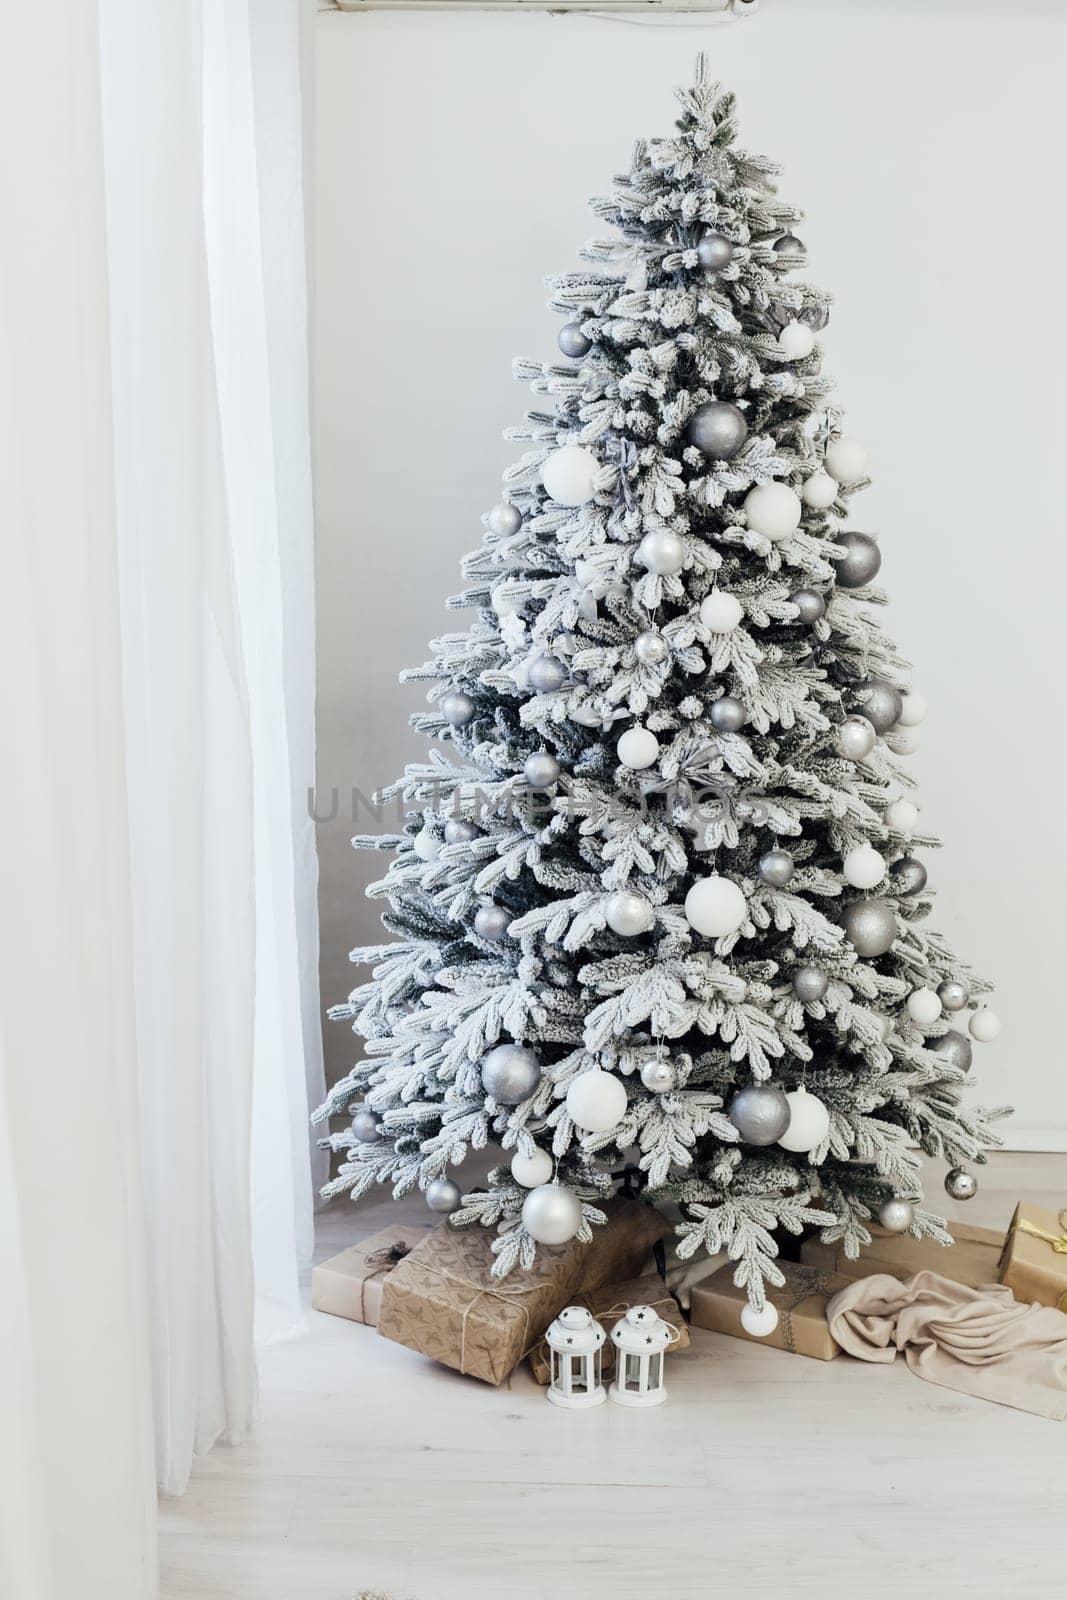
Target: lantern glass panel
[(654, 1375)]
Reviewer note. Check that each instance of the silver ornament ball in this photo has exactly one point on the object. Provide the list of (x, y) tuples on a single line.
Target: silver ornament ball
[(459, 832), (714, 250), (881, 702), (717, 430), (759, 1113), (365, 1126), (908, 875), (815, 315), (727, 714), (896, 1216), (505, 519), (457, 708), (856, 738), (658, 1076), (809, 603), (870, 926), (491, 922), (809, 984), (541, 770), (960, 1185), (861, 562), (777, 868), (651, 648), (443, 1195), (552, 1214), (510, 1073), (628, 913), (572, 341), (789, 245), (546, 674), (955, 1048), (953, 994), (662, 552)]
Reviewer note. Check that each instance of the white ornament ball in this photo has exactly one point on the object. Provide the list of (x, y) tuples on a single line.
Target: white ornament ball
[(426, 847), (759, 1322), (809, 1122), (552, 1214), (505, 519), (863, 867), (662, 552), (923, 1007), (904, 741), (628, 913), (568, 474), (773, 510), (721, 612), (596, 1101), (902, 816), (819, 491), (796, 341), (984, 1025), (715, 907), (914, 712), (637, 749), (531, 1171), (847, 460)]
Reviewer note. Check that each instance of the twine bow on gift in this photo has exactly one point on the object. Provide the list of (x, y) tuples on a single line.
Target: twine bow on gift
[(1058, 1241), (382, 1260), (806, 1281)]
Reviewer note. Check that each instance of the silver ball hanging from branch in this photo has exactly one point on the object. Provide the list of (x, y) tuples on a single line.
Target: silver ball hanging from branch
[(953, 994), (896, 1216), (717, 430), (810, 984), (714, 250), (810, 605), (870, 926), (651, 648), (955, 1048), (727, 714), (491, 922), (862, 560), (659, 1076), (365, 1126), (908, 875), (456, 707), (442, 1195), (573, 342), (855, 738), (541, 770), (510, 1073), (881, 702), (790, 245), (546, 674), (505, 520), (960, 1184), (760, 1114), (776, 868)]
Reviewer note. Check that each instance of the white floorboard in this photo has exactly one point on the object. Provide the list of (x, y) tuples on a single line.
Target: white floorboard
[(375, 1473)]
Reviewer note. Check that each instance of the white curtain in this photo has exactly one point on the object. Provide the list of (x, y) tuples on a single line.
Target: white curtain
[(212, 465), (77, 1512)]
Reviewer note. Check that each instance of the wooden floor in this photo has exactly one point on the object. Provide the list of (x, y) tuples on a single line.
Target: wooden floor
[(375, 1473)]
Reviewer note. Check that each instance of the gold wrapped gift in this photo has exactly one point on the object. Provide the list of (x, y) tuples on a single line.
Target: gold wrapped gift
[(443, 1301), (801, 1303), (972, 1259), (1033, 1262)]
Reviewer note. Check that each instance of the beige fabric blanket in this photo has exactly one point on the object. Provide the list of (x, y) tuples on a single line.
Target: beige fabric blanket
[(978, 1341)]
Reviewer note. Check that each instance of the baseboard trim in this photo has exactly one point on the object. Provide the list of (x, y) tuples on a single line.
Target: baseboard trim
[(1053, 1140)]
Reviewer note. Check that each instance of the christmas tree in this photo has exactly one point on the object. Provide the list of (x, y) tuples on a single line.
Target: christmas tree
[(658, 905)]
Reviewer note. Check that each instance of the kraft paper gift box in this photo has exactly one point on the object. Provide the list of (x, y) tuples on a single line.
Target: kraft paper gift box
[(443, 1301), (350, 1284), (801, 1303), (972, 1259), (1034, 1260), (610, 1303)]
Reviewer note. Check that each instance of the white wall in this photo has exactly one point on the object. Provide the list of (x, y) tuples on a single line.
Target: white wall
[(455, 155)]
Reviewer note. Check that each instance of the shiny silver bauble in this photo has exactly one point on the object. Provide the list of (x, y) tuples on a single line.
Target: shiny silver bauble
[(881, 702), (861, 561), (870, 926), (552, 1214), (365, 1126), (459, 832), (541, 770), (572, 341), (546, 674), (651, 648), (896, 1216), (960, 1185), (444, 1196), (629, 913), (456, 707), (815, 315), (505, 519), (809, 984), (855, 738), (953, 994), (658, 1076), (662, 552), (727, 714), (908, 875), (759, 1113), (809, 603), (491, 922), (777, 868), (510, 1073), (789, 245), (714, 250), (717, 430), (955, 1048)]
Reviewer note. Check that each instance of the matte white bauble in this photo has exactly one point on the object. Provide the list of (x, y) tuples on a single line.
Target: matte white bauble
[(596, 1101), (552, 1214), (796, 341), (628, 913), (904, 741), (720, 612), (715, 907), (847, 460), (863, 867), (819, 491), (984, 1026), (923, 1007), (758, 1323), (902, 816), (809, 1122), (773, 509), (637, 749), (531, 1171), (662, 552), (567, 475), (914, 712), (426, 847)]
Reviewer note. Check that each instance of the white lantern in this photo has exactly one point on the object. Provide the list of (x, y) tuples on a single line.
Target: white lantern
[(575, 1342), (640, 1338)]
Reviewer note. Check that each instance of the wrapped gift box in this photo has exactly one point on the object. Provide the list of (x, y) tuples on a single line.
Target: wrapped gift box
[(1033, 1262), (350, 1284), (801, 1303), (610, 1303), (442, 1299), (972, 1259)]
